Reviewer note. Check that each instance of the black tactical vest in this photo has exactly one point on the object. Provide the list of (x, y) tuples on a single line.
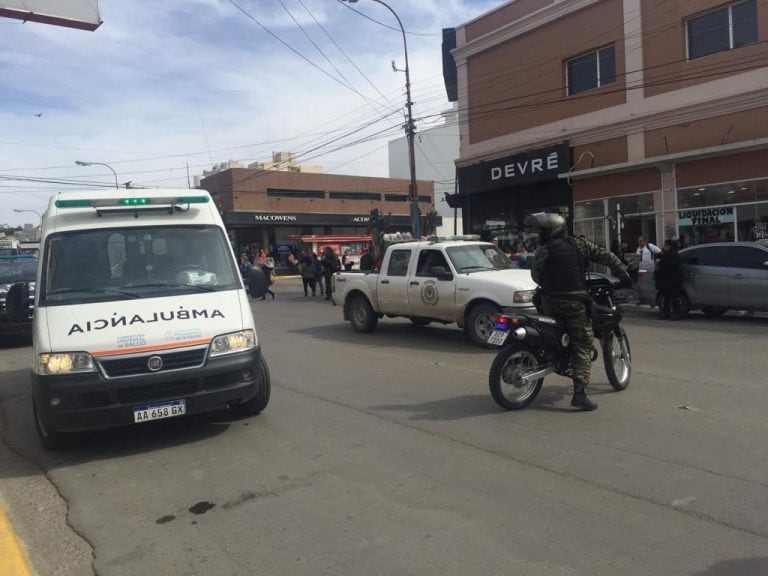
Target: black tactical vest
[(564, 269)]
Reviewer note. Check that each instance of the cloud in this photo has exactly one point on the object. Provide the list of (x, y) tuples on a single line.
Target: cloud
[(160, 86)]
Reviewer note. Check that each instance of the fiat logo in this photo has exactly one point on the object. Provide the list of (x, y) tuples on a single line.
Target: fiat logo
[(155, 363)]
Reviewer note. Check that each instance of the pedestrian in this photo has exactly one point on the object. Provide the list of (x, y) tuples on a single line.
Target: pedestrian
[(366, 261), (318, 268), (668, 277), (268, 267), (307, 271), (262, 257), (646, 251), (559, 267), (346, 261), (293, 261), (331, 265)]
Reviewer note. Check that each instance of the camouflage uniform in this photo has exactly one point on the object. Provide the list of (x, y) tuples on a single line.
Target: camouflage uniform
[(571, 306)]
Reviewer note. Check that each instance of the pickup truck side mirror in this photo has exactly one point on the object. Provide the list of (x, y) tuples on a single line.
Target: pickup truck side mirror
[(17, 302), (257, 282), (441, 273)]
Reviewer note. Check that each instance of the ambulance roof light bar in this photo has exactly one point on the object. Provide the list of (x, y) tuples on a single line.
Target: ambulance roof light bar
[(130, 202)]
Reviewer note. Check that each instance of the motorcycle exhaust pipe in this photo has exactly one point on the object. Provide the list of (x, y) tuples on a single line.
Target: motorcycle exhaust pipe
[(538, 375)]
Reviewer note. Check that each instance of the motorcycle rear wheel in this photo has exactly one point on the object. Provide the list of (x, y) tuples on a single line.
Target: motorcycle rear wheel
[(617, 358), (505, 377)]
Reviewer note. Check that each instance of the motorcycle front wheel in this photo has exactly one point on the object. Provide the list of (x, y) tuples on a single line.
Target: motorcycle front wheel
[(617, 358), (505, 378)]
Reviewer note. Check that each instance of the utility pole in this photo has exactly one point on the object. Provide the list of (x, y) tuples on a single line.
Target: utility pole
[(410, 129)]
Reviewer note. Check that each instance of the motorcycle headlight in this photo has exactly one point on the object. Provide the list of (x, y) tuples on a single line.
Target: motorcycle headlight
[(234, 342), (523, 296), (65, 363)]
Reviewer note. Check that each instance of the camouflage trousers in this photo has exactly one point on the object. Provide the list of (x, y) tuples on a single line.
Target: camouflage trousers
[(579, 327)]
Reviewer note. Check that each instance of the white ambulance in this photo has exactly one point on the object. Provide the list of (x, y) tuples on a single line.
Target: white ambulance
[(140, 314)]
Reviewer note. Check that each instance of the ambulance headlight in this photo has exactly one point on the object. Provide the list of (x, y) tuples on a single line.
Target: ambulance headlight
[(234, 342), (65, 363)]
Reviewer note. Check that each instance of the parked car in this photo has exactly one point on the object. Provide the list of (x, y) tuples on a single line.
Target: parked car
[(15, 269), (717, 278)]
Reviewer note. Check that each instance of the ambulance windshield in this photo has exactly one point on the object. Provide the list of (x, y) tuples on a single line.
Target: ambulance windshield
[(143, 262)]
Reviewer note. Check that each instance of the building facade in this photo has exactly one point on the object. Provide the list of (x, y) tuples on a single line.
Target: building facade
[(631, 117), (273, 210)]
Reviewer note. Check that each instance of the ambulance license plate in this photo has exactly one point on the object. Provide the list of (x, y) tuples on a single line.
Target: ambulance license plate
[(159, 411), (497, 337)]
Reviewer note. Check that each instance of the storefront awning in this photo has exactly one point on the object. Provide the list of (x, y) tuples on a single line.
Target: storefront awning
[(698, 154)]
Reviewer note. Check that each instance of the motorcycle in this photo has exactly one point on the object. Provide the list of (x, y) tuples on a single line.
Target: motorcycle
[(535, 345)]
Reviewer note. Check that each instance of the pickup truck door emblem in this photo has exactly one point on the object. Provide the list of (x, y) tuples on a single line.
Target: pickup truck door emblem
[(429, 293)]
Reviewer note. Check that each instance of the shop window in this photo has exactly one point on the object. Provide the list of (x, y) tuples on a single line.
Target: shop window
[(723, 194), (729, 27), (752, 223), (591, 70), (590, 209), (280, 193), (354, 196), (637, 204)]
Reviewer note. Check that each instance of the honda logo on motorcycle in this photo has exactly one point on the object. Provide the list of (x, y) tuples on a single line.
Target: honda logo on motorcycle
[(154, 363)]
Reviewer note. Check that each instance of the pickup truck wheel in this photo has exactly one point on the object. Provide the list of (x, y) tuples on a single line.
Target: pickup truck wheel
[(480, 323), (361, 315)]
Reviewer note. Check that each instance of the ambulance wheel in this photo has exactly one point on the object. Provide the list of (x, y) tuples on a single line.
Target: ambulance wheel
[(256, 404), (49, 438)]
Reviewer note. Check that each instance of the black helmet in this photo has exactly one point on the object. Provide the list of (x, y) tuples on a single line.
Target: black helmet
[(546, 224)]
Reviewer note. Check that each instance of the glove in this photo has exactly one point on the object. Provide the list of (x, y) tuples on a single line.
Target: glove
[(625, 282)]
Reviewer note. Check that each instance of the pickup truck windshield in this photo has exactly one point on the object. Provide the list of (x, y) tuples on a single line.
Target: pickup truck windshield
[(478, 257), (128, 263)]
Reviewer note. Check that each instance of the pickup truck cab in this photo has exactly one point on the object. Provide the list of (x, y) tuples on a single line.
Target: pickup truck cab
[(436, 280), (140, 314)]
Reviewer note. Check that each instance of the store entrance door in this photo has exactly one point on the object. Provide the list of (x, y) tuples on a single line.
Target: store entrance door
[(636, 226)]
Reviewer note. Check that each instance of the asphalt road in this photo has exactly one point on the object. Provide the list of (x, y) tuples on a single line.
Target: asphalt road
[(384, 453)]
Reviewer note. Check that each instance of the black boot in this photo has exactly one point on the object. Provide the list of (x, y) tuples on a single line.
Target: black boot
[(580, 399)]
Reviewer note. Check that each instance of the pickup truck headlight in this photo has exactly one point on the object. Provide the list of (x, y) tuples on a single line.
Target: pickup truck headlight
[(65, 363), (523, 296), (234, 342)]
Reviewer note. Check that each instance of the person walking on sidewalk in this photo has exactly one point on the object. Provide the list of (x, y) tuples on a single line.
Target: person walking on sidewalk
[(331, 264), (318, 268), (307, 271), (668, 277)]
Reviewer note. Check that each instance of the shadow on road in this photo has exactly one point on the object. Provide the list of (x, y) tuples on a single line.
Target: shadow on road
[(397, 333), (15, 341), (447, 409), (740, 567), (18, 431)]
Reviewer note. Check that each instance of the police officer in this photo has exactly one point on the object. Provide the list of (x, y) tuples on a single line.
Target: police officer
[(559, 267)]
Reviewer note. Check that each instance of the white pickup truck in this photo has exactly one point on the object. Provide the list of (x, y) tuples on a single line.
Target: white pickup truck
[(466, 282)]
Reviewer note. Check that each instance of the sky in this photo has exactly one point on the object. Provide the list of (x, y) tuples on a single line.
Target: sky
[(165, 89)]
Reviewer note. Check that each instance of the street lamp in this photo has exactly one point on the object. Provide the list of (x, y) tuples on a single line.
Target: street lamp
[(34, 212), (409, 130), (81, 163)]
